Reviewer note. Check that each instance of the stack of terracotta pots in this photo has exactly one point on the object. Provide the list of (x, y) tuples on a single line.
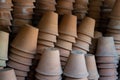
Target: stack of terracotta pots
[(91, 67), (22, 51), (49, 67), (22, 13), (94, 10), (85, 34), (48, 31), (107, 59), (80, 8), (5, 14), (4, 40), (43, 6), (105, 11), (7, 74), (67, 35), (75, 68), (93, 47), (64, 6)]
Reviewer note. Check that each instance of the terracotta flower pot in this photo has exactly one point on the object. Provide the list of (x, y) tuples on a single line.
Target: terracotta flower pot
[(7, 74), (92, 68), (115, 11), (50, 57), (23, 16), (21, 60), (109, 3), (62, 11), (26, 39), (5, 22), (114, 24), (63, 63), (46, 43), (106, 47), (77, 48), (107, 72), (64, 52), (49, 23), (6, 1), (21, 53), (64, 44), (22, 10), (85, 29), (106, 59), (67, 38), (84, 38), (44, 77), (41, 48), (109, 78), (107, 66), (47, 37), (23, 1), (28, 4), (81, 44), (113, 30), (68, 25), (18, 66), (50, 1), (76, 66), (4, 40), (20, 73), (65, 4), (6, 15), (68, 78)]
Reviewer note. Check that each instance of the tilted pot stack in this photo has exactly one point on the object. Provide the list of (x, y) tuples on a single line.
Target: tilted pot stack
[(67, 34), (22, 51)]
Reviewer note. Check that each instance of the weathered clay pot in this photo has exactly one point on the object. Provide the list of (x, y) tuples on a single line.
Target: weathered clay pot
[(6, 15), (64, 44), (21, 53), (6, 1), (76, 66), (23, 1), (84, 38), (65, 4), (107, 59), (114, 24), (107, 72), (44, 77), (64, 52), (18, 66), (49, 23), (109, 78), (62, 11), (23, 16), (63, 63), (85, 29), (92, 68), (114, 35), (97, 34), (5, 22), (68, 78), (63, 58), (95, 3), (23, 4), (26, 39), (81, 44), (48, 1), (47, 37), (7, 74), (77, 48), (21, 60), (46, 43), (109, 3), (67, 38), (106, 66), (115, 11), (41, 48), (50, 57), (68, 25), (113, 30), (4, 39), (20, 73), (106, 47)]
